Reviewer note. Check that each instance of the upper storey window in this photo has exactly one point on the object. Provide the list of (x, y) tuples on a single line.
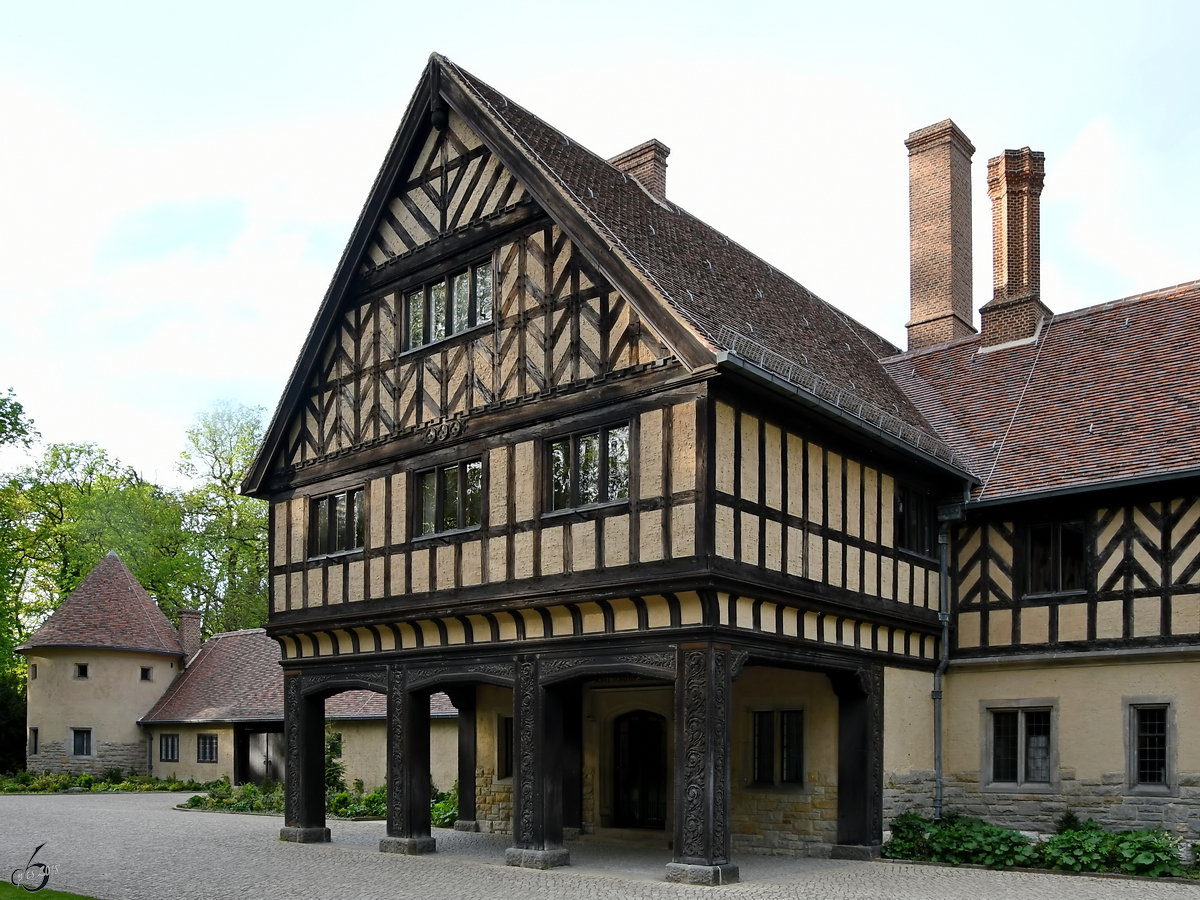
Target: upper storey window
[(916, 524), (590, 468), (451, 496), (1056, 558), (338, 523), (450, 305)]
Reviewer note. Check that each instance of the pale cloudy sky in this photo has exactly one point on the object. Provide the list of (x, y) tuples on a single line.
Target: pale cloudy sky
[(177, 180)]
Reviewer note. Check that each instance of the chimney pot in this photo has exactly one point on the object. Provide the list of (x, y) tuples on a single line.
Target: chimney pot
[(939, 197), (648, 164), (189, 631)]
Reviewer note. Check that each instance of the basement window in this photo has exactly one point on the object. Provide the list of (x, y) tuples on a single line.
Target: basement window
[(1019, 752), (338, 523), (450, 305), (589, 468), (1056, 558)]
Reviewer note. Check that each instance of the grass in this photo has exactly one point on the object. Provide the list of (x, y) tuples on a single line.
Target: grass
[(9, 892)]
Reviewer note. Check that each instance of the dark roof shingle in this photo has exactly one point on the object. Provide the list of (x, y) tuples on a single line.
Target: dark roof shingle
[(1106, 393), (109, 610)]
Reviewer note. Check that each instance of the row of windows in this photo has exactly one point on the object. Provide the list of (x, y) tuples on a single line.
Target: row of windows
[(84, 670), (1020, 749), (168, 745)]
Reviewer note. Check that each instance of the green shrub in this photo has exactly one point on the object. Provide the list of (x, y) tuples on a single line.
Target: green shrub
[(909, 837), (443, 807), (1068, 821), (960, 839), (1084, 849), (85, 781), (114, 776), (1148, 852), (335, 769)]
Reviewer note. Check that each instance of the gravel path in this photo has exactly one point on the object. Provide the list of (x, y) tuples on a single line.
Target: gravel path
[(138, 847)]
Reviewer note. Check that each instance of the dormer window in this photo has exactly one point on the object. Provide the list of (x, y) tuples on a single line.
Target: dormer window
[(450, 305), (338, 523), (81, 670)]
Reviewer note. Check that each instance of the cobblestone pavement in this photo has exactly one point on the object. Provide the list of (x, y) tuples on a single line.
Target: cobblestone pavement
[(138, 847)]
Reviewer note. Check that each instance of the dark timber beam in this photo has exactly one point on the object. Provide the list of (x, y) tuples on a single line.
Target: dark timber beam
[(463, 698), (537, 772), (304, 799), (408, 825), (860, 763), (703, 783)]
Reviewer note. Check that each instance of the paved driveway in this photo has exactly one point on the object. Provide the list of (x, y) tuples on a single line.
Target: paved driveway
[(137, 847)]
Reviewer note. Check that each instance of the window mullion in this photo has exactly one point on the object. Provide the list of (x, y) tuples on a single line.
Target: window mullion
[(461, 519), (1022, 749), (575, 466), (603, 467)]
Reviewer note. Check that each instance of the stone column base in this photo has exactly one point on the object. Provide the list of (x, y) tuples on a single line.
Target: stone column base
[(537, 859), (304, 835), (683, 873), (865, 852), (407, 846), (466, 825)]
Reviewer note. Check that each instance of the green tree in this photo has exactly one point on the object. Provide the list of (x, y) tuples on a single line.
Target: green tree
[(15, 426), (227, 532)]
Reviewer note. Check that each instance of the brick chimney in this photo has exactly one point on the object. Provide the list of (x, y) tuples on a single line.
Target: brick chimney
[(1015, 187), (189, 631), (648, 164), (939, 204)]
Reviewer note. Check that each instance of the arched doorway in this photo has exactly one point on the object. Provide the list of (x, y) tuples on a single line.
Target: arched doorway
[(640, 770)]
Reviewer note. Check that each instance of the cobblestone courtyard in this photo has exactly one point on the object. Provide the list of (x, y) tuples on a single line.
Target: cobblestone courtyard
[(137, 847)]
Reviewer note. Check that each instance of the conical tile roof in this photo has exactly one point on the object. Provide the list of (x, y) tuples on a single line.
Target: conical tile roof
[(109, 610)]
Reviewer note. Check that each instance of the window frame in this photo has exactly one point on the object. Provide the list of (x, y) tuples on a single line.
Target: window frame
[(922, 518), (355, 500), (1056, 558), (201, 739), (146, 673), (425, 291), (91, 744), (35, 747), (173, 738), (33, 672), (1132, 706), (604, 469), (988, 709), (82, 671), (779, 751), (418, 499)]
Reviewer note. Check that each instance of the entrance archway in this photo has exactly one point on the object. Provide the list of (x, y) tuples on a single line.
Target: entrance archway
[(640, 770)]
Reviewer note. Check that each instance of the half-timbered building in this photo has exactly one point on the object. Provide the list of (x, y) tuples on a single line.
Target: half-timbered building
[(662, 523)]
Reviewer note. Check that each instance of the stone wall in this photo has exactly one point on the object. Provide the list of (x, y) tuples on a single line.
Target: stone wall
[(785, 823), (1106, 800), (53, 758), (493, 801)]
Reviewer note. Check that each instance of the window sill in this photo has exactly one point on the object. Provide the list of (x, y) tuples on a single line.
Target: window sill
[(917, 556), (1039, 787), (1152, 790), (448, 534), (1054, 595), (794, 790), (581, 512), (448, 339), (337, 554)]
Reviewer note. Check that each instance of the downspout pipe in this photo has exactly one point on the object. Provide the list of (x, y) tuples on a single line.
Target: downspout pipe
[(947, 514), (943, 663)]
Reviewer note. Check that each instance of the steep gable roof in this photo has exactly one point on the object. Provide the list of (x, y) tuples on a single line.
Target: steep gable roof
[(109, 610), (236, 677), (699, 291), (1105, 394)]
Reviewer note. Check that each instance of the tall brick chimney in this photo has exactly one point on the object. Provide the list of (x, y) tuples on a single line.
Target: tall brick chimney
[(648, 164), (939, 203), (189, 631), (1015, 188)]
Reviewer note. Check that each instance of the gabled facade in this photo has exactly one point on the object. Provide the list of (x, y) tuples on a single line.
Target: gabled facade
[(558, 448), (693, 552)]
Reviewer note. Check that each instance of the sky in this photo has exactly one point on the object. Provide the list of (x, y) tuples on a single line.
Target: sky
[(177, 181)]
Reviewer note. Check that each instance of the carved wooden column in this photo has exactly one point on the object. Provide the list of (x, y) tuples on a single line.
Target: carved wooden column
[(408, 768), (463, 699), (537, 772), (860, 763), (304, 799), (702, 767)]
